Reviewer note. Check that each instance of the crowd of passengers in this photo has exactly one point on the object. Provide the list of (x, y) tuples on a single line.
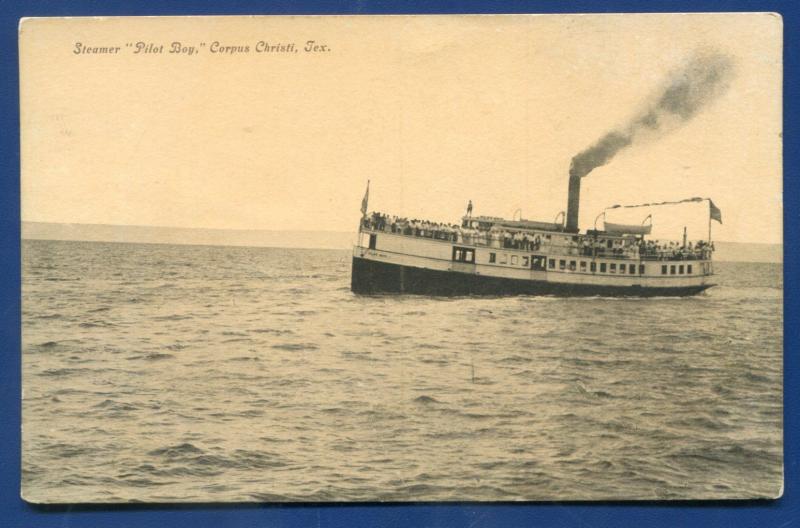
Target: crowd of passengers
[(500, 237), (654, 249), (495, 237), (645, 249)]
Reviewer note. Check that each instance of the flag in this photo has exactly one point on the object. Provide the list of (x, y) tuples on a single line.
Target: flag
[(714, 211), (365, 201)]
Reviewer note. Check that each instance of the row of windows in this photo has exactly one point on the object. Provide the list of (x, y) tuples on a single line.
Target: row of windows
[(676, 269), (622, 269), (604, 267), (537, 263), (583, 266)]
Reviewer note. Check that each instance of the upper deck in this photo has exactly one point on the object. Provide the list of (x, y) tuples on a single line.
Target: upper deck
[(546, 239)]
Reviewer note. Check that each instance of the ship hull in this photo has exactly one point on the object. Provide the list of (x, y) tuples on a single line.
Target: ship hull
[(371, 277)]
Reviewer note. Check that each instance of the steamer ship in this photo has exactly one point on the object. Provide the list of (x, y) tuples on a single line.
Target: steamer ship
[(493, 256)]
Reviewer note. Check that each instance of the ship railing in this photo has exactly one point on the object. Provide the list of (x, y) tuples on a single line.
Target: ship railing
[(587, 251), (628, 254), (678, 257)]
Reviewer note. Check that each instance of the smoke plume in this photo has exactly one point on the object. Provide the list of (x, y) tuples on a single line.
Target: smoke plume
[(704, 78)]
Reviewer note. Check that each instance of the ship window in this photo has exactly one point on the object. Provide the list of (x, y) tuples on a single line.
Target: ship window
[(547, 237), (672, 270), (492, 257), (632, 269), (689, 269), (514, 260), (610, 244), (463, 254), (562, 264), (612, 268), (583, 265), (680, 269), (593, 267), (602, 267), (622, 268), (373, 239), (641, 269), (572, 265), (503, 258), (552, 264), (525, 262), (663, 270)]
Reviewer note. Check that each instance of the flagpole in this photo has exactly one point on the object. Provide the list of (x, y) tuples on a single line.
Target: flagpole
[(709, 222), (365, 202), (364, 207)]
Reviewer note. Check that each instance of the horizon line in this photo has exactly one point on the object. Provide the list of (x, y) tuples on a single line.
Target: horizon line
[(184, 227)]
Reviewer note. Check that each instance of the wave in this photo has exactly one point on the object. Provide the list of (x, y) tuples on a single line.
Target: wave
[(187, 457), (113, 405), (96, 324), (185, 448), (172, 317), (59, 372), (152, 356), (295, 346), (426, 400)]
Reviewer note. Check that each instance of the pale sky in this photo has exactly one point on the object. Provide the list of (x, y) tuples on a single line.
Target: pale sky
[(433, 110)]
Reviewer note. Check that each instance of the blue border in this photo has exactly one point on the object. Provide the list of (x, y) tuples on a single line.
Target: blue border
[(15, 512)]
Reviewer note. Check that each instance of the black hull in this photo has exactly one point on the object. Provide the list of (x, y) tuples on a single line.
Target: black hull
[(370, 277)]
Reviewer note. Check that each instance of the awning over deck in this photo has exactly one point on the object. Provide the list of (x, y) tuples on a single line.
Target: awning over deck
[(628, 229), (516, 224)]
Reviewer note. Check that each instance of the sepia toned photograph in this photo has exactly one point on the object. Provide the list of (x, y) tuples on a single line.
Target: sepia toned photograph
[(402, 258)]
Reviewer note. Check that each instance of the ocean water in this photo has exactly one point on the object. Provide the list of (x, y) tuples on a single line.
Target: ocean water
[(198, 373)]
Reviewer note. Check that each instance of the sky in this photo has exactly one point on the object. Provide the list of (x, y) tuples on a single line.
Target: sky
[(433, 111)]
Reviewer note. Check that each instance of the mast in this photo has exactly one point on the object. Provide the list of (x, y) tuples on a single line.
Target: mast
[(364, 206)]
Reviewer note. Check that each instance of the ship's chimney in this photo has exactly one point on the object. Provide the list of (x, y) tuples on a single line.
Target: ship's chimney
[(573, 201)]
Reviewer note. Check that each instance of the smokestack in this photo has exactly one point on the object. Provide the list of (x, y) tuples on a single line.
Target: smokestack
[(573, 200), (705, 77)]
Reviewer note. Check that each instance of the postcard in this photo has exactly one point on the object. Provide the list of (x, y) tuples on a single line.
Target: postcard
[(402, 258)]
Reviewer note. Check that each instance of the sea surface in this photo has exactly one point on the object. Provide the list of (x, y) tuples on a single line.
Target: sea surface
[(197, 373)]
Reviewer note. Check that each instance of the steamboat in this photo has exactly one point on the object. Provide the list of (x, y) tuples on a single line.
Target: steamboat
[(493, 256)]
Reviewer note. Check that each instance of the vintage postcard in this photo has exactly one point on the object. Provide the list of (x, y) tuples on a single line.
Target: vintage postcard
[(402, 258)]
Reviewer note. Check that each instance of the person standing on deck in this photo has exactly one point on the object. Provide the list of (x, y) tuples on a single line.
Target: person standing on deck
[(469, 209)]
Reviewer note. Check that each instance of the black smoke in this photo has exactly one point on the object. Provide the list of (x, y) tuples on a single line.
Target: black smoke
[(702, 79)]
